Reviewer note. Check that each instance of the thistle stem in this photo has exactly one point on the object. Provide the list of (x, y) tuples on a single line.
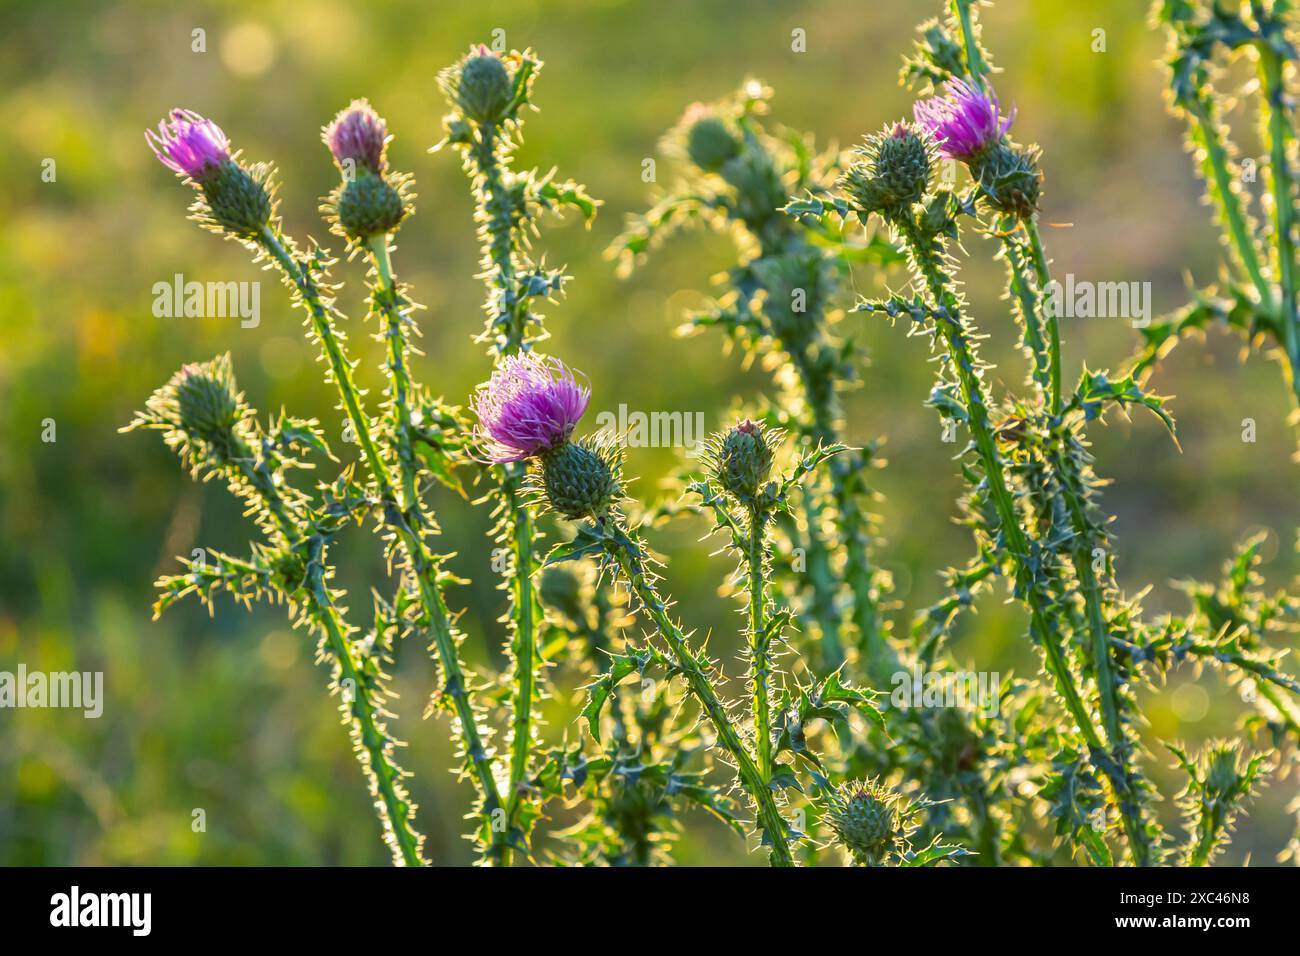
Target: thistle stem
[(1223, 189), (1043, 276), (631, 563), (1273, 94), (950, 328), (419, 561), (1081, 556), (759, 646), (367, 732), (498, 216)]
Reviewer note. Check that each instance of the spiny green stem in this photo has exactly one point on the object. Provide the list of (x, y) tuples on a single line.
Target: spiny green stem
[(759, 646), (525, 648), (1081, 551), (769, 815), (419, 560), (384, 775), (1206, 128), (951, 330), (1273, 96), (498, 215), (974, 59), (1028, 301)]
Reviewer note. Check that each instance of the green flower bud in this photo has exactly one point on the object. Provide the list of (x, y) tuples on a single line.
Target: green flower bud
[(237, 199), (484, 89), (891, 172), (1223, 775), (710, 144), (578, 481), (743, 463), (1010, 179), (203, 402), (865, 818), (368, 205)]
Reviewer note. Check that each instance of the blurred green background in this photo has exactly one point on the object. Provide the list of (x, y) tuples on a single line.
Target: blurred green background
[(228, 713)]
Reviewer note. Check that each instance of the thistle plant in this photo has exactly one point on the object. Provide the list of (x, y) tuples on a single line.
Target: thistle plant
[(1256, 296), (792, 747), (414, 439), (778, 307), (488, 94), (1033, 502)]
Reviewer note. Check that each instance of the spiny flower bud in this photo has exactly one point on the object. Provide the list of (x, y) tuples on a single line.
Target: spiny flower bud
[(357, 137), (865, 818), (234, 198), (1010, 179), (744, 460), (580, 481), (202, 407), (484, 88), (891, 172), (238, 200), (709, 142), (1223, 772), (368, 205)]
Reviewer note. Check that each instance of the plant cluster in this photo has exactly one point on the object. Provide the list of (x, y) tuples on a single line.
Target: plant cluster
[(797, 748)]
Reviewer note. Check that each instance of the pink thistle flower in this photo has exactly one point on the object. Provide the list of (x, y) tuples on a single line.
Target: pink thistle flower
[(358, 134), (965, 122), (528, 407), (188, 144)]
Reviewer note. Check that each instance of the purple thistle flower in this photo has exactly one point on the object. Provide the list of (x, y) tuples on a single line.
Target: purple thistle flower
[(965, 122), (529, 406), (188, 144), (358, 134)]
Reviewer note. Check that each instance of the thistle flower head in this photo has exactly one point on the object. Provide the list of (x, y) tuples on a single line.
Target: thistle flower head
[(581, 479), (236, 200), (200, 409), (189, 145), (965, 122), (709, 141), (742, 461), (890, 172), (528, 407), (868, 818), (482, 86), (358, 135)]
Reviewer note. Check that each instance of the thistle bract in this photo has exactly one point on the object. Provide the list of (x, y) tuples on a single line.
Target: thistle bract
[(1009, 178), (965, 122), (484, 88), (580, 480), (891, 171), (368, 205), (709, 143), (864, 816), (744, 460), (358, 135), (189, 144), (237, 200), (529, 406), (201, 407)]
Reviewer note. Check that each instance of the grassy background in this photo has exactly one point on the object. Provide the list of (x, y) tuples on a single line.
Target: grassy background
[(228, 714)]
